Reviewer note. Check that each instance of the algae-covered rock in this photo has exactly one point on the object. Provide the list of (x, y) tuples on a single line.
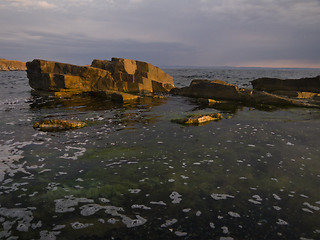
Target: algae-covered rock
[(58, 125), (199, 119)]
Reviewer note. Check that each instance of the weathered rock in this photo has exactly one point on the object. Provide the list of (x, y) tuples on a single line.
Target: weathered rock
[(58, 125), (215, 89), (136, 76), (220, 90), (209, 101), (116, 96), (275, 84), (260, 97), (122, 75), (296, 94), (12, 65), (199, 119), (54, 76)]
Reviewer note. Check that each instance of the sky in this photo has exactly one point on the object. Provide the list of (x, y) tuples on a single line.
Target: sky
[(247, 33)]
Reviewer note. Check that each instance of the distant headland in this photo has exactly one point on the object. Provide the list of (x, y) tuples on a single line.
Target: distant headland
[(12, 65)]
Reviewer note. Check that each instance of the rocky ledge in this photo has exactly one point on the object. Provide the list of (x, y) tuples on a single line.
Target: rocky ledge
[(12, 65), (220, 90), (297, 88), (110, 78)]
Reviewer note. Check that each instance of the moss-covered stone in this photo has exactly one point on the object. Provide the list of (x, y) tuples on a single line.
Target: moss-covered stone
[(58, 125), (199, 119)]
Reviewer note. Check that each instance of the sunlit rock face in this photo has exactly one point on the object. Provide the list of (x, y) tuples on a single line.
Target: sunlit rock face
[(123, 75), (12, 65), (136, 76)]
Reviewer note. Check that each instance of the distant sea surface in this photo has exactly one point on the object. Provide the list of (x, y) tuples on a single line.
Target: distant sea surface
[(131, 173)]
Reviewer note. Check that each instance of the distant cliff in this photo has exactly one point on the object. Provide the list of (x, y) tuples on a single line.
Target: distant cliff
[(12, 65)]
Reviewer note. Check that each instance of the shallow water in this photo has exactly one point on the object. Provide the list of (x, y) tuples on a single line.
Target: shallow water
[(133, 174)]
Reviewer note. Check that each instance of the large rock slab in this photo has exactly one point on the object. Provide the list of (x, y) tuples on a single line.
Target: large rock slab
[(122, 75), (214, 89), (55, 76), (12, 65), (136, 76), (275, 84), (220, 90)]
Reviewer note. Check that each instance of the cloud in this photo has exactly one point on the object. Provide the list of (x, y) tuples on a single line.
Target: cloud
[(193, 32), (27, 4)]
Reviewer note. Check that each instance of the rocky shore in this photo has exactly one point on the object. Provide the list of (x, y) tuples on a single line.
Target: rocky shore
[(12, 65), (118, 78), (126, 80)]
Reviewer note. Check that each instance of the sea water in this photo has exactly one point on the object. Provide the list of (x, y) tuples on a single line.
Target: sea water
[(134, 174)]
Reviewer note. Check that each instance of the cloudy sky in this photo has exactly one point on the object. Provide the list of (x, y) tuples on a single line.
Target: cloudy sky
[(271, 33)]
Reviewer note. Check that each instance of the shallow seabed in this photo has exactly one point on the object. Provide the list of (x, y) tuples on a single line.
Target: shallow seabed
[(133, 174)]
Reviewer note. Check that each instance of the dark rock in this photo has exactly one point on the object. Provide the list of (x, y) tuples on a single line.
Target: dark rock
[(275, 84), (214, 89), (219, 90)]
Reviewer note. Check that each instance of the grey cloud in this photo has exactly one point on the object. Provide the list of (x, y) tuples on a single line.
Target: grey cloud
[(179, 32)]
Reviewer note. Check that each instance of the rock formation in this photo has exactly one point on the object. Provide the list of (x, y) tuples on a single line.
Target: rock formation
[(117, 75), (12, 65), (136, 76), (288, 85), (219, 90)]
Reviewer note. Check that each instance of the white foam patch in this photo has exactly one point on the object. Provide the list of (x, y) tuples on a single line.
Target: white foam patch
[(78, 225), (219, 196), (10, 153), (76, 152), (169, 222), (176, 197), (68, 204), (282, 222), (137, 206), (234, 214)]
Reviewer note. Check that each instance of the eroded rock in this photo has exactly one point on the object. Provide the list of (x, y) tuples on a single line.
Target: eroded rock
[(121, 75), (298, 85), (219, 90)]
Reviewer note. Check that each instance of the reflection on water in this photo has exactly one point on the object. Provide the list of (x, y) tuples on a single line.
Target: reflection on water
[(132, 174)]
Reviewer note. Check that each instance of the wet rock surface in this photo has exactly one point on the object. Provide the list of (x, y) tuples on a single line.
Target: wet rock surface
[(199, 119), (220, 90), (298, 85)]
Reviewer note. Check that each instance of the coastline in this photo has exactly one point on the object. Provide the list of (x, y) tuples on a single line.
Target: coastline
[(12, 65)]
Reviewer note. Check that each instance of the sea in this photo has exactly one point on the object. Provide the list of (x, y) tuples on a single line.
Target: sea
[(132, 173)]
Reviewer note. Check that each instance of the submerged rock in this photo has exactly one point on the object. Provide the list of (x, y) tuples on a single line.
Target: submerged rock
[(199, 119), (298, 85), (122, 75), (116, 96), (12, 65), (58, 125)]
